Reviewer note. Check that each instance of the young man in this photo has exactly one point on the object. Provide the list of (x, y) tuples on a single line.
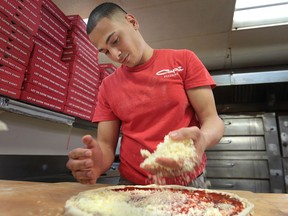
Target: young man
[(153, 93)]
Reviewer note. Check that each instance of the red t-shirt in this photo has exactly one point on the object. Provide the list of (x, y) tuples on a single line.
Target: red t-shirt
[(150, 101)]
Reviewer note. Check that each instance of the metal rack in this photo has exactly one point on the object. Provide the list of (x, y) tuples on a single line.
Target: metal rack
[(10, 105)]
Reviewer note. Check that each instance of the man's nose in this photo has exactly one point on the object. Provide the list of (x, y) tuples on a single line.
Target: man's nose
[(116, 53)]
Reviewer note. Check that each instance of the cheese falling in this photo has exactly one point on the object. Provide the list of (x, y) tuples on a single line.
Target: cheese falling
[(183, 150)]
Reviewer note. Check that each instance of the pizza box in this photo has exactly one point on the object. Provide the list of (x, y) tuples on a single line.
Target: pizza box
[(22, 15), (79, 106), (38, 80), (49, 41), (48, 30), (38, 90), (81, 34), (9, 91), (74, 78), (55, 11), (12, 30), (57, 31), (11, 78), (81, 102), (40, 53), (77, 83), (77, 20), (37, 66), (75, 49), (83, 71), (111, 68), (75, 38), (90, 79), (77, 113), (75, 92), (93, 69), (83, 47), (48, 49), (41, 101), (6, 60), (14, 50)]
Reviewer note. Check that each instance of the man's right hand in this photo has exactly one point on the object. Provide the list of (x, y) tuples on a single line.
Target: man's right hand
[(86, 163)]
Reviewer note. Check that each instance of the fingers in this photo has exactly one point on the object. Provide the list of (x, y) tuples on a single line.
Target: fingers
[(89, 141), (185, 133), (168, 162), (167, 167)]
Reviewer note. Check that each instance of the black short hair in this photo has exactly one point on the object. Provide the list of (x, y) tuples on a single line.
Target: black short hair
[(107, 9)]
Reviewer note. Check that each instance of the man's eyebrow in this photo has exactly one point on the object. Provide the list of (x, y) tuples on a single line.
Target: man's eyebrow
[(107, 40)]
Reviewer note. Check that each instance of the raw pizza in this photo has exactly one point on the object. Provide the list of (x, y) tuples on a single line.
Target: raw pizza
[(155, 200)]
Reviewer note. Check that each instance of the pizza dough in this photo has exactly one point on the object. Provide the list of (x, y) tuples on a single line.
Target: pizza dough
[(153, 200), (183, 150)]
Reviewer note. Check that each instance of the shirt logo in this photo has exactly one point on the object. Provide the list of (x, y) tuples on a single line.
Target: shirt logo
[(170, 72)]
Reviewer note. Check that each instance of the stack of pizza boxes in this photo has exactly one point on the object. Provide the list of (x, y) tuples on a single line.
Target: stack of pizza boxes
[(46, 79), (19, 21), (82, 59), (106, 70)]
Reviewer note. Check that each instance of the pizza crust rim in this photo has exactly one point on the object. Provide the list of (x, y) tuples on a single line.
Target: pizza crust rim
[(71, 210)]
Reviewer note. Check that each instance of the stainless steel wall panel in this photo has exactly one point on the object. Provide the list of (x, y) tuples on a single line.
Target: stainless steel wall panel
[(257, 169), (238, 143), (254, 185), (283, 131)]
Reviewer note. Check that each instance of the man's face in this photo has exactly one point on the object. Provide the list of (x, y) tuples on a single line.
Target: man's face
[(119, 39)]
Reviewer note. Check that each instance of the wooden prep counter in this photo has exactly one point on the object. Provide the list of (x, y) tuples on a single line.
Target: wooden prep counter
[(34, 198)]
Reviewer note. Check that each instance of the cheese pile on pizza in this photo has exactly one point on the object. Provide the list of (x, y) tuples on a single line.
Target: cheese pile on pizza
[(183, 150), (153, 200)]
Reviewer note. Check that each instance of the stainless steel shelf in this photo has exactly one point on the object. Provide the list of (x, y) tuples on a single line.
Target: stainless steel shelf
[(275, 76), (14, 106)]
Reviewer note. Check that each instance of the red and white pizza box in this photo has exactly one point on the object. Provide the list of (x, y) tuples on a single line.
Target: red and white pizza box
[(81, 48), (15, 32), (48, 30), (76, 49), (50, 42), (6, 60), (41, 101), (45, 57), (111, 68), (14, 50), (77, 83), (9, 91), (36, 66), (75, 38), (89, 79), (76, 92), (77, 21), (74, 78), (81, 34), (81, 102), (93, 69), (45, 78), (36, 89), (11, 78), (83, 71), (50, 50), (55, 11), (79, 106), (50, 85), (25, 13), (77, 113)]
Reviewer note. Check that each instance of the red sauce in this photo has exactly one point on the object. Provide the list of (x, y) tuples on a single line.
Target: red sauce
[(199, 195)]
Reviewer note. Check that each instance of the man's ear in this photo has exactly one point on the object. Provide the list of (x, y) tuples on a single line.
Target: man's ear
[(131, 19)]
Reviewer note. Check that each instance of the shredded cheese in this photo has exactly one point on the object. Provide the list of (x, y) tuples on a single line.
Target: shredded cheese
[(184, 151), (147, 202)]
